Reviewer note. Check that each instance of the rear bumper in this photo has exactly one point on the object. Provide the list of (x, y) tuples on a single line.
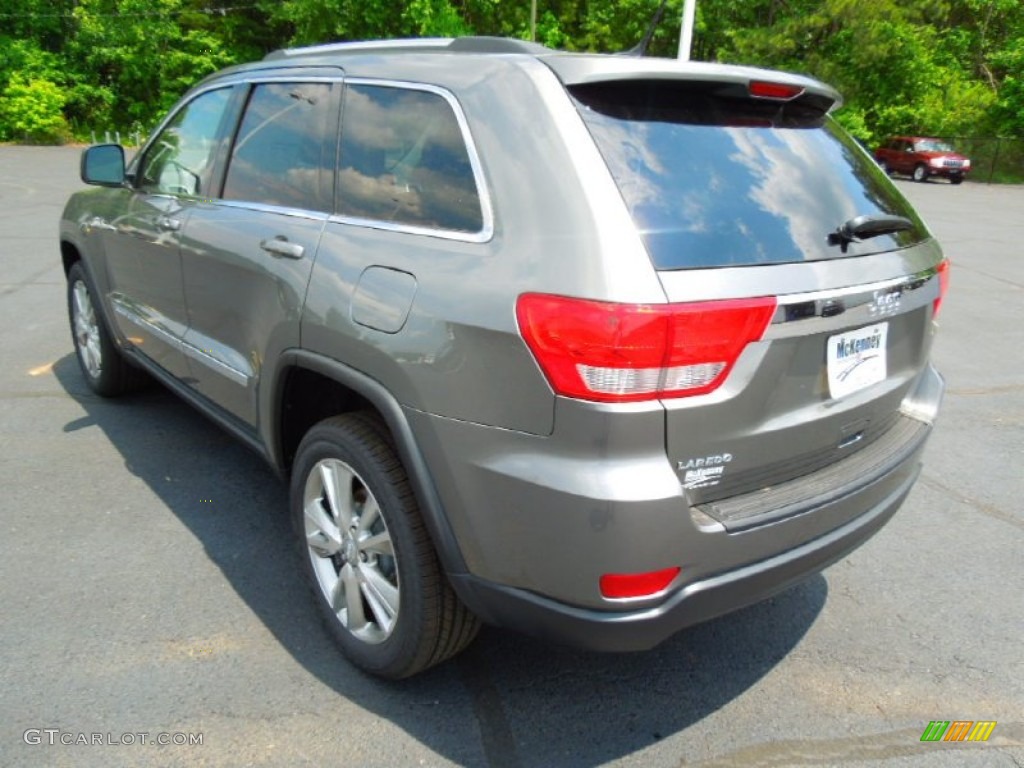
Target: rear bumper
[(696, 602), (539, 521)]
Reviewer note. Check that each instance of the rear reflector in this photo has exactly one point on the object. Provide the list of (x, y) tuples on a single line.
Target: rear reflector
[(765, 90), (943, 273), (607, 352), (621, 585)]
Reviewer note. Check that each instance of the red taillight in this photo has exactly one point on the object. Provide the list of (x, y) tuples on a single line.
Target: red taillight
[(623, 585), (607, 352), (766, 90), (943, 273)]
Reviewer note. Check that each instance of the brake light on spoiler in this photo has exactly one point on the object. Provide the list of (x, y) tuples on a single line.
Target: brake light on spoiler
[(615, 353), (763, 89)]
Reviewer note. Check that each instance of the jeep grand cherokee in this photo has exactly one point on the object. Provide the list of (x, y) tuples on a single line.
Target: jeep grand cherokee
[(593, 347)]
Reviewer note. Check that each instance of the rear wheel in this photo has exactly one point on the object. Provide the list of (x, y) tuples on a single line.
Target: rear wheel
[(368, 555), (920, 173), (885, 167), (105, 370)]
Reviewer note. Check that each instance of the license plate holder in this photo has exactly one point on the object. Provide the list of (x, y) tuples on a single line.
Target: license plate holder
[(856, 359)]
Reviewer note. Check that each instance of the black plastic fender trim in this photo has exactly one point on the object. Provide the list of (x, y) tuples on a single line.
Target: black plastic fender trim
[(390, 409)]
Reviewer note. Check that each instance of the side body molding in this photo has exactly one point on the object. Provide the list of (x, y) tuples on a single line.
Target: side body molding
[(405, 442)]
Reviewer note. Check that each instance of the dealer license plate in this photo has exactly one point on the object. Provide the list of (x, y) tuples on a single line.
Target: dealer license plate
[(856, 359)]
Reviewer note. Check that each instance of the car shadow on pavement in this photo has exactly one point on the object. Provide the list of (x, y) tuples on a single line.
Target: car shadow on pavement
[(507, 702)]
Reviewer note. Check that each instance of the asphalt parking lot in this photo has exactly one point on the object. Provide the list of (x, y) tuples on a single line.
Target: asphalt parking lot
[(150, 587)]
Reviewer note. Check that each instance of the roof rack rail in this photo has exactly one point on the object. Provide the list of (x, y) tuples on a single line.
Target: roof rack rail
[(458, 44), (360, 46), (482, 44)]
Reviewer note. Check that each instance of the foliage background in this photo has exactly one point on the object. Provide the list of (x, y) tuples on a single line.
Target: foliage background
[(936, 67)]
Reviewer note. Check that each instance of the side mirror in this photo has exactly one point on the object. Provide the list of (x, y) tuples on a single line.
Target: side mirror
[(103, 165)]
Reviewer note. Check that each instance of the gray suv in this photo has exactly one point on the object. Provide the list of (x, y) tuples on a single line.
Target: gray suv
[(592, 347)]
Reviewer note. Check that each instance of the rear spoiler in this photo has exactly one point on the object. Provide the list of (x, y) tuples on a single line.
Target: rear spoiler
[(735, 81)]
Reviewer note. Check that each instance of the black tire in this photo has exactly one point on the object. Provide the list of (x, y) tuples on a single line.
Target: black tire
[(404, 617), (920, 173), (101, 362), (956, 180), (885, 167)]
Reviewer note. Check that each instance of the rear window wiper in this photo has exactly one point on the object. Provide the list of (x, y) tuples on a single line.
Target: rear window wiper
[(863, 227)]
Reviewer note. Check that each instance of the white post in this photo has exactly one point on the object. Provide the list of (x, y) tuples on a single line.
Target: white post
[(686, 32)]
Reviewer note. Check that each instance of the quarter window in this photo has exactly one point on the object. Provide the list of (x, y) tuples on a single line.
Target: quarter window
[(403, 160), (180, 160), (284, 153)]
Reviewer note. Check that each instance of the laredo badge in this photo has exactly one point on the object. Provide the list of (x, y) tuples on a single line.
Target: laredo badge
[(705, 471)]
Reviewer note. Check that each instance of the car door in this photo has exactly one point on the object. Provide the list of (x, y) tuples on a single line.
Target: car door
[(247, 254), (905, 158), (142, 247)]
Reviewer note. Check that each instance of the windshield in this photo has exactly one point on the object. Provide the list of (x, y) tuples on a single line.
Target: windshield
[(717, 180), (932, 145)]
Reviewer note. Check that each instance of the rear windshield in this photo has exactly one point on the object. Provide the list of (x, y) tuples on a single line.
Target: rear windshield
[(714, 178)]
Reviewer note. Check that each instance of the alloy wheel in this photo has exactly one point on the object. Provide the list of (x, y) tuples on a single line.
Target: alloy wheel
[(350, 548), (87, 330)]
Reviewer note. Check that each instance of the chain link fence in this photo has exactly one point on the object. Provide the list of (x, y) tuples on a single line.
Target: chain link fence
[(993, 160)]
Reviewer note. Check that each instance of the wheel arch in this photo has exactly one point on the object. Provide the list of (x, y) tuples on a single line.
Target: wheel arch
[(69, 255), (307, 388)]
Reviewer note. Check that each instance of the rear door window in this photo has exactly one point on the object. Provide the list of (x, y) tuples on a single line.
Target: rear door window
[(713, 178), (404, 161)]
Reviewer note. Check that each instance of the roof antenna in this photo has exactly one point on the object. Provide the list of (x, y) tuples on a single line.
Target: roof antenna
[(640, 49)]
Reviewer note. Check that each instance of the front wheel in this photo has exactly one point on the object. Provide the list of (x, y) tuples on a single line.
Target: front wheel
[(956, 180), (105, 370), (920, 173), (367, 553)]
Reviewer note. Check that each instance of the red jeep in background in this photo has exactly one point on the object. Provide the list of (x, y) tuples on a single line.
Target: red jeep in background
[(920, 157)]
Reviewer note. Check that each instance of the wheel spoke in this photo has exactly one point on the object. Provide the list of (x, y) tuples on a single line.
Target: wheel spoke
[(87, 334), (379, 544), (81, 299), (92, 355), (381, 595), (321, 532), (370, 513), (348, 592), (337, 482)]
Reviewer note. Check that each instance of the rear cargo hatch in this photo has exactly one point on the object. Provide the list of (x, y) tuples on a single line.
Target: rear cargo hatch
[(743, 188)]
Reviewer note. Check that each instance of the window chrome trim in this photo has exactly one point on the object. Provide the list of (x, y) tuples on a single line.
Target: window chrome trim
[(308, 214), (282, 77), (486, 232)]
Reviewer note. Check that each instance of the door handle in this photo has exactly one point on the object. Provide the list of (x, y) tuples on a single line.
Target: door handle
[(279, 246), (167, 224)]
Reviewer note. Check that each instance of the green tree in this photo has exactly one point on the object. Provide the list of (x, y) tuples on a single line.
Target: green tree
[(31, 111), (145, 52), (911, 66), (934, 66)]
